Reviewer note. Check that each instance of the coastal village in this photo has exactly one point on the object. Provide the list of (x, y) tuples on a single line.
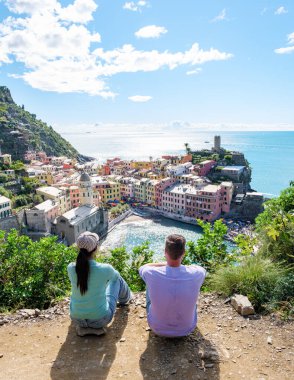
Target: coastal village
[(71, 197)]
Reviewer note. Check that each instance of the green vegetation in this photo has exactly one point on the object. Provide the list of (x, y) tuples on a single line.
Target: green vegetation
[(128, 264), (32, 274), (119, 209), (210, 250), (267, 276), (256, 277), (21, 130)]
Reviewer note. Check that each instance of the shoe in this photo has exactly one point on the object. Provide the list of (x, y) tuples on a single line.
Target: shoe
[(82, 331), (128, 301)]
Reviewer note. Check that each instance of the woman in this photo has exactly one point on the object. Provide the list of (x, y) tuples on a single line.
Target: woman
[(96, 288)]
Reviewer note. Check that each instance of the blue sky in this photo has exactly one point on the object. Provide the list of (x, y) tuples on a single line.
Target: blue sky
[(227, 63)]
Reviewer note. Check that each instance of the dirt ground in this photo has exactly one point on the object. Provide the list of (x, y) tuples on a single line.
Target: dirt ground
[(225, 346)]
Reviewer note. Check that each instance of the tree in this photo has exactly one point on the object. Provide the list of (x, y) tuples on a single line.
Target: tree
[(5, 193), (187, 147)]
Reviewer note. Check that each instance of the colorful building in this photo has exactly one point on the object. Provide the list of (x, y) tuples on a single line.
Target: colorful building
[(5, 207), (204, 167)]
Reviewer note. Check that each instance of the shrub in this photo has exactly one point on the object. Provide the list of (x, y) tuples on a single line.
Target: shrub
[(210, 250), (32, 274), (283, 295), (256, 277), (128, 264)]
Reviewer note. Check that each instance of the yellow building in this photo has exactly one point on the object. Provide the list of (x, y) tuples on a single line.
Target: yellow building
[(108, 190), (140, 165), (151, 192), (45, 177)]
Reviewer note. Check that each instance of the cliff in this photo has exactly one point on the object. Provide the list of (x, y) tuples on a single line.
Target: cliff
[(43, 345), (20, 131)]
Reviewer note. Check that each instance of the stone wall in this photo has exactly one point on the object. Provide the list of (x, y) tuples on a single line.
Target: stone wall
[(6, 224)]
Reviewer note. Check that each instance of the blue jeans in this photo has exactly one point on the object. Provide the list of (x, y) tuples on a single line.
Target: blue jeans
[(116, 291)]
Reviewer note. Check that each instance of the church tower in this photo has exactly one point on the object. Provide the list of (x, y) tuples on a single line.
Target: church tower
[(86, 191)]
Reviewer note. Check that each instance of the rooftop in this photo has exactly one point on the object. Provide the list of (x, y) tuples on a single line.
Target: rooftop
[(46, 206), (50, 190), (4, 199), (233, 168), (76, 215)]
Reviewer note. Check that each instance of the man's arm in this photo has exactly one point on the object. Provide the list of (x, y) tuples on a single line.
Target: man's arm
[(154, 265)]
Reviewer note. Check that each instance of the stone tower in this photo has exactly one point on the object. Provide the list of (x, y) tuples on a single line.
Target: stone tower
[(217, 143), (86, 191)]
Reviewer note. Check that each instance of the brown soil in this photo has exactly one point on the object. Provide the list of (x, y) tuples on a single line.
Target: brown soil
[(225, 346)]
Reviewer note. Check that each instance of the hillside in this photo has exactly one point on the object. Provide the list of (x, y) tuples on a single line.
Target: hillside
[(224, 346), (20, 131)]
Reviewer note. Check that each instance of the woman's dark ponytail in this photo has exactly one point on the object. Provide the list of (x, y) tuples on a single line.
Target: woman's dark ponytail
[(83, 269)]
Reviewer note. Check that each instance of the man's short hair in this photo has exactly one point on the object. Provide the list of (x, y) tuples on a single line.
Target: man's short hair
[(175, 246)]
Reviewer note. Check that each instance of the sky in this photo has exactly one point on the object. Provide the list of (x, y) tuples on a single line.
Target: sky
[(213, 62)]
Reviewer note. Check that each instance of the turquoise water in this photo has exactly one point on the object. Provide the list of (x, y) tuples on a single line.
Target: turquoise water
[(131, 234), (271, 154)]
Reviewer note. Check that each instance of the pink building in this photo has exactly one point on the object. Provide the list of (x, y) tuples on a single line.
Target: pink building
[(208, 202), (74, 193), (203, 168), (204, 203), (173, 198), (160, 187)]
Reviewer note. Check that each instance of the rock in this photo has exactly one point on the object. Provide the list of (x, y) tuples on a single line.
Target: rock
[(269, 340), (1, 356), (208, 365), (242, 305), (122, 339), (210, 355), (141, 315), (1, 322), (28, 312)]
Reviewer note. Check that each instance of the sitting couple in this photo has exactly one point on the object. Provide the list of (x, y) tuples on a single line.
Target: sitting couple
[(171, 295)]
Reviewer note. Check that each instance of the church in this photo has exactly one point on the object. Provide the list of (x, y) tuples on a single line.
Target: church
[(86, 217)]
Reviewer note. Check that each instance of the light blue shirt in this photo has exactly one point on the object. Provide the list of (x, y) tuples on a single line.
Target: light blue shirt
[(92, 304)]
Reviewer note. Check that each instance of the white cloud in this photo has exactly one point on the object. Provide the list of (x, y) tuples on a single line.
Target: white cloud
[(56, 51), (135, 6), (140, 98), (151, 31), (221, 16), (32, 6), (127, 59), (81, 11), (288, 49), (194, 72), (281, 10)]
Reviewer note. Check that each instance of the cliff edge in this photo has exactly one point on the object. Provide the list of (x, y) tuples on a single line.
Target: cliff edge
[(224, 346)]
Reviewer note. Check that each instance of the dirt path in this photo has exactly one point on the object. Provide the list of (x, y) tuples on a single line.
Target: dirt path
[(226, 346)]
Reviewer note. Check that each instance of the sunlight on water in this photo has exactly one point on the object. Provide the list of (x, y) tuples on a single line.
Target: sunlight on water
[(270, 154), (131, 234)]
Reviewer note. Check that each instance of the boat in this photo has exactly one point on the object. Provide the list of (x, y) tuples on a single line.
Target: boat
[(206, 142)]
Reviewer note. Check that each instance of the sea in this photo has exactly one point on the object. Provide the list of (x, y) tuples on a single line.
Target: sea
[(270, 154)]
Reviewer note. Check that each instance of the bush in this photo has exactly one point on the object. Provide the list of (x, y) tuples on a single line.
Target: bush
[(210, 250), (283, 295), (32, 274), (256, 277), (128, 265)]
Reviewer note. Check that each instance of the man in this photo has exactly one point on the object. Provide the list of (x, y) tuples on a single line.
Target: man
[(172, 291)]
